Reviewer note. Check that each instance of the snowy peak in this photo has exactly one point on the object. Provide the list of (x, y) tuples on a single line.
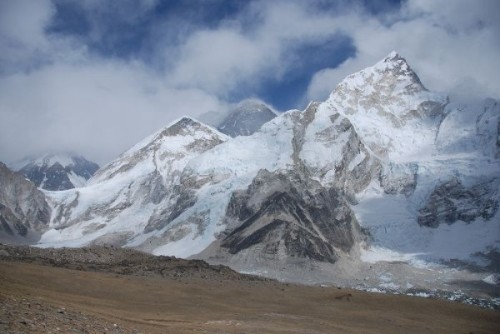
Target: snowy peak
[(181, 138), (252, 106), (390, 108), (65, 159), (399, 67), (182, 127), (247, 118), (392, 76), (57, 171)]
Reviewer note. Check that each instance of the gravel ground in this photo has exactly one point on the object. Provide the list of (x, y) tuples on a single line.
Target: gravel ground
[(123, 261), (34, 315)]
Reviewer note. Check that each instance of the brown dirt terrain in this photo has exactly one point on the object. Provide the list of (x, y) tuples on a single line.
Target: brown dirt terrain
[(106, 290)]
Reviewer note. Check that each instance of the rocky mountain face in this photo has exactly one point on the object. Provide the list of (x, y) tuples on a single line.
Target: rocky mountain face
[(24, 211), (284, 215), (58, 171), (384, 171), (244, 119), (450, 202)]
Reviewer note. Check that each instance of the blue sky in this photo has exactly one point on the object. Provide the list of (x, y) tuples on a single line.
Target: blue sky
[(96, 76), (112, 32)]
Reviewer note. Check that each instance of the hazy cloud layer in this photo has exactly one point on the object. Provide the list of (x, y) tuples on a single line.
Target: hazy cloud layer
[(97, 76)]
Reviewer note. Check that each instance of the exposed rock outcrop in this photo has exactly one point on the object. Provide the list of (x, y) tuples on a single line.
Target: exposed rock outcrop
[(246, 118), (24, 211), (59, 171), (451, 202), (284, 215)]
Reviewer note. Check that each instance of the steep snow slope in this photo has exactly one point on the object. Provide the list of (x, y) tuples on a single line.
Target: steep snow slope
[(471, 129), (57, 171), (121, 200), (391, 110)]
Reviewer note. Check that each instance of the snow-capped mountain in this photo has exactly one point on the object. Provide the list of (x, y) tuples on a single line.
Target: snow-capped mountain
[(244, 119), (57, 171), (381, 177), (24, 211), (135, 194)]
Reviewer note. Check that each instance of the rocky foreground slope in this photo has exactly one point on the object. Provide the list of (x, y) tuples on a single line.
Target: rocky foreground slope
[(385, 184)]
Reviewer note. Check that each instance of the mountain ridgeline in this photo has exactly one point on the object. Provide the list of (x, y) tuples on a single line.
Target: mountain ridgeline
[(383, 166), (58, 171)]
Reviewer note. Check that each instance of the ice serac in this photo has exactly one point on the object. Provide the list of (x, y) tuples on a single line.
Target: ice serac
[(24, 211), (246, 118), (58, 171)]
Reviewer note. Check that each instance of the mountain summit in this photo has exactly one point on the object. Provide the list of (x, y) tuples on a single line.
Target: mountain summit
[(391, 109), (246, 118), (57, 171)]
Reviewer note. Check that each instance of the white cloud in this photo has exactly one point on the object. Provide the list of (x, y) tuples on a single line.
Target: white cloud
[(76, 100), (217, 60), (453, 48), (21, 31), (227, 58), (98, 109), (22, 21)]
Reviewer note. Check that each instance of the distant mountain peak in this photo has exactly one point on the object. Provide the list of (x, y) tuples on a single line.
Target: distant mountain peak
[(246, 118), (183, 125), (57, 170), (252, 105), (393, 55)]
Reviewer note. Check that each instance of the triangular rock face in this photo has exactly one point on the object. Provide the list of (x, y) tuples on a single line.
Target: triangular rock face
[(246, 118), (339, 180), (283, 216), (24, 212), (60, 171)]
